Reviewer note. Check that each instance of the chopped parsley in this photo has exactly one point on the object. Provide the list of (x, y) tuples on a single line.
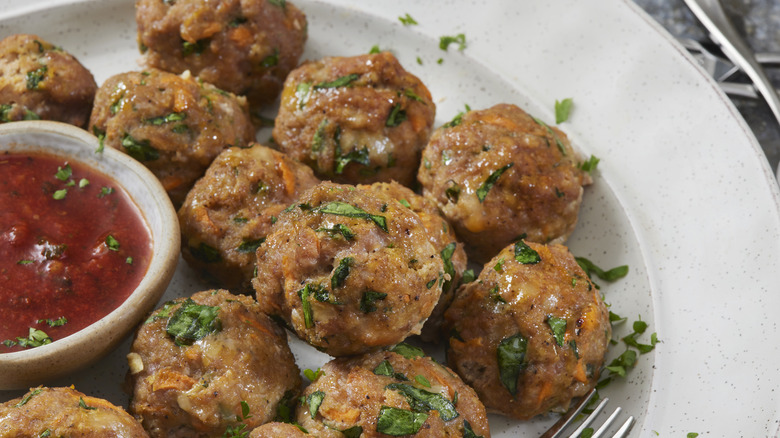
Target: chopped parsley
[(172, 117), (105, 191), (562, 110), (205, 253), (357, 156), (112, 243), (250, 245), (343, 209), (271, 60), (60, 194), (590, 164), (312, 375), (192, 322), (35, 338), (511, 360), (368, 300), (64, 173), (101, 136), (458, 119), (341, 272), (83, 405), (446, 257), (338, 230), (374, 49), (28, 396), (408, 351), (422, 380), (525, 254), (396, 116), (613, 274), (343, 81), (558, 327), (141, 150), (446, 40), (423, 401), (407, 20), (483, 190), (302, 93), (54, 322), (399, 422), (314, 400), (453, 192), (35, 77), (188, 48), (385, 368), (319, 136)]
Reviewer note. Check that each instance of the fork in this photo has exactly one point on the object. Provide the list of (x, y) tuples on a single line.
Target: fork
[(557, 430)]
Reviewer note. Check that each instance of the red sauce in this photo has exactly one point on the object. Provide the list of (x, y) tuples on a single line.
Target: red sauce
[(56, 257)]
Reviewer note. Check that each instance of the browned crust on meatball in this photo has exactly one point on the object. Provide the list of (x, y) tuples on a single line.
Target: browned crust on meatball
[(41, 81), (359, 119), (229, 211), (172, 124), (65, 412), (511, 298), (246, 47), (537, 188), (443, 239), (349, 284), (278, 430), (355, 391), (198, 389)]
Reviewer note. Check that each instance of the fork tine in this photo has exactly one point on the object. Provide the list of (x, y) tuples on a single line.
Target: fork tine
[(625, 428), (603, 429), (556, 431), (592, 416)]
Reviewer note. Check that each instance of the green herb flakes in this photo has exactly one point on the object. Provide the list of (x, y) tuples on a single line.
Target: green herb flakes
[(141, 150), (341, 272), (353, 432), (511, 360), (358, 156), (446, 40), (28, 396), (63, 173), (270, 60), (343, 209), (374, 49), (83, 405), (610, 275), (562, 110), (60, 194), (422, 381), (446, 257), (408, 351), (112, 243), (525, 254), (314, 400), (369, 299), (54, 322), (468, 432), (319, 136), (249, 246), (396, 116), (205, 253), (407, 20), (399, 422), (83, 182), (312, 375), (421, 400), (338, 230), (343, 81), (105, 191), (590, 164), (453, 192), (172, 117), (483, 190), (558, 327), (35, 77), (192, 322)]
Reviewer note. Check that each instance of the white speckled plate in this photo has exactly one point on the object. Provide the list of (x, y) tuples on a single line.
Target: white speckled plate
[(683, 194)]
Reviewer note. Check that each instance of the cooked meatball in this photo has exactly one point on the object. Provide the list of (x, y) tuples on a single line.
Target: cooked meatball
[(229, 211), (278, 430), (387, 393), (443, 240), (65, 412), (197, 365), (244, 46), (499, 174), (530, 333), (349, 269), (41, 81), (361, 119), (172, 124)]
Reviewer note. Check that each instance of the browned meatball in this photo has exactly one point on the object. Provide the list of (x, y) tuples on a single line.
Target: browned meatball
[(387, 393), (349, 269), (198, 365), (41, 81), (278, 430), (172, 124), (65, 412), (244, 46), (361, 119), (498, 174), (530, 333), (229, 211), (443, 239)]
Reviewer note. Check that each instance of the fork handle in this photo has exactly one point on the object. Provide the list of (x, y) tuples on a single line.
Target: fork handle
[(711, 14)]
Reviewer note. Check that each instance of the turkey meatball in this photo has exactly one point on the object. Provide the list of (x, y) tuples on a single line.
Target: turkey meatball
[(197, 365), (349, 269), (278, 430), (65, 412), (499, 174), (385, 393), (443, 240), (244, 46), (172, 124), (41, 81), (530, 333), (229, 211), (354, 120)]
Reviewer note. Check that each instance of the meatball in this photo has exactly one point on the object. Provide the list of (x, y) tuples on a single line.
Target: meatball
[(65, 412), (172, 124), (499, 174), (278, 430), (244, 46), (229, 211), (41, 81), (201, 364), (443, 239), (387, 393), (361, 119), (530, 333), (349, 269)]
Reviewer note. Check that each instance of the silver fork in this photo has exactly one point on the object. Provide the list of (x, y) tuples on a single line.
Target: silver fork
[(559, 428)]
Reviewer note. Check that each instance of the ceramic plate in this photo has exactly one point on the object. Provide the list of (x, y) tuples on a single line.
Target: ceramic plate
[(683, 194)]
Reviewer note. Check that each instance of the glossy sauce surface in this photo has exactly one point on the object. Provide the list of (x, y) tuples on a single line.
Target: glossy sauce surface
[(73, 247)]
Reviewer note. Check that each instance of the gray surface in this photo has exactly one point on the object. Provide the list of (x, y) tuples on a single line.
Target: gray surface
[(759, 23)]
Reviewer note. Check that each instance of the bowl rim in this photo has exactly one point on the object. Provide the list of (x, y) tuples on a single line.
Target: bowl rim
[(165, 242)]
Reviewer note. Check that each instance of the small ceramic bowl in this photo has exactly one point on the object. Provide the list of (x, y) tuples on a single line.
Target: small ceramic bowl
[(35, 366)]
